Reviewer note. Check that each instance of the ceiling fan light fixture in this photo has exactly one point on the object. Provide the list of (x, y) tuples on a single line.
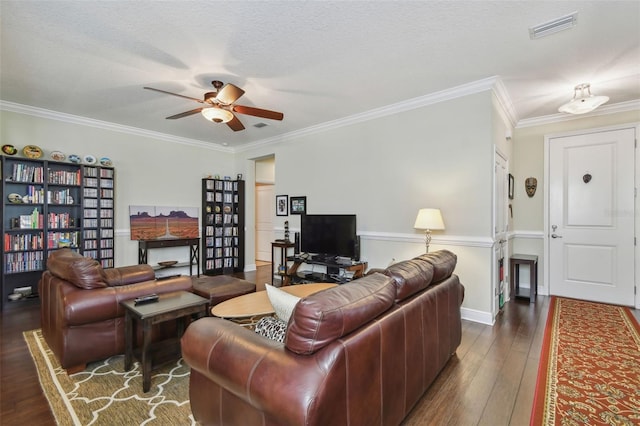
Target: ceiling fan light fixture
[(217, 114), (583, 102)]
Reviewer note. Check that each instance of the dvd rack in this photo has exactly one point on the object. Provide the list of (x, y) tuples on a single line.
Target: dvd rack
[(222, 226)]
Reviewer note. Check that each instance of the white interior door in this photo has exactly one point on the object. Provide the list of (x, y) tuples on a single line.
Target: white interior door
[(265, 210), (591, 216)]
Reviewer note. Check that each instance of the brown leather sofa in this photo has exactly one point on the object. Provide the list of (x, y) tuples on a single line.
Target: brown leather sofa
[(362, 353), (82, 320)]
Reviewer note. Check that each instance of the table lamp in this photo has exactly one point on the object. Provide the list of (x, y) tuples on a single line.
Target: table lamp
[(429, 220)]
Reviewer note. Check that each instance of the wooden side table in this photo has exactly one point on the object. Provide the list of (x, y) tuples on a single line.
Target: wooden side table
[(515, 262), (283, 246), (170, 306)]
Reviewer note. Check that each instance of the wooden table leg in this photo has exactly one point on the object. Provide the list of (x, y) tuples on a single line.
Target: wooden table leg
[(146, 356), (533, 281), (128, 340)]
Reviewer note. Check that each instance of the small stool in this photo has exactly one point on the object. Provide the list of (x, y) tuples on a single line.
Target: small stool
[(219, 288), (515, 262)]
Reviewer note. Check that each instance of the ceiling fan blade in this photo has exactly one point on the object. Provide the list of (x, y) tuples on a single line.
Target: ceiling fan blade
[(185, 114), (175, 94), (229, 94), (235, 124), (258, 112)]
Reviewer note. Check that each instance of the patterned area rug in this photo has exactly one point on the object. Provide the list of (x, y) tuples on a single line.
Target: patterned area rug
[(105, 394), (589, 366)]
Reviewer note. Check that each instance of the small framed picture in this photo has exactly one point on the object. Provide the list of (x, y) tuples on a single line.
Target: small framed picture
[(298, 205), (281, 205), (511, 184)]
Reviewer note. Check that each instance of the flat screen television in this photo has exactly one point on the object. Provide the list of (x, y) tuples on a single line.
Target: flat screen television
[(329, 235)]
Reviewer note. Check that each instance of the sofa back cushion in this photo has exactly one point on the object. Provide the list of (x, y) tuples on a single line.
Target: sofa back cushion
[(443, 262), (83, 272), (409, 277), (125, 275), (330, 314)]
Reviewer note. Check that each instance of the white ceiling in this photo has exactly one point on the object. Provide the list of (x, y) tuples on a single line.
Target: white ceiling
[(316, 62)]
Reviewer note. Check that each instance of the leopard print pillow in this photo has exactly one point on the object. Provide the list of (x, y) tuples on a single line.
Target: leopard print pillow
[(272, 328)]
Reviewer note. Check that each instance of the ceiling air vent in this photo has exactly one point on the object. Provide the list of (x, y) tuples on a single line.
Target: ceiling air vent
[(259, 125), (551, 27)]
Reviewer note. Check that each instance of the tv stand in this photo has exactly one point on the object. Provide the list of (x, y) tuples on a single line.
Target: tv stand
[(332, 274)]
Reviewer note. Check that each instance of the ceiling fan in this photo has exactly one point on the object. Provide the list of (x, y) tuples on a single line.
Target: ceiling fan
[(219, 106)]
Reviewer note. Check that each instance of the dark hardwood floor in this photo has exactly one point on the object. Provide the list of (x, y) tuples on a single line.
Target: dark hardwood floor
[(490, 380)]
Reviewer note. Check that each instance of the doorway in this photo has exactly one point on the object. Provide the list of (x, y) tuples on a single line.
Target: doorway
[(589, 215), (264, 221), (265, 208), (500, 230)]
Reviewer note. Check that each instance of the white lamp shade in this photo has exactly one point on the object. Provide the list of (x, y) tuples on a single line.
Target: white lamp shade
[(430, 219), (217, 114)]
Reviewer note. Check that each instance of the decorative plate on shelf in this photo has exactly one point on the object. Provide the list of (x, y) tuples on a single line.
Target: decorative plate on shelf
[(227, 209), (74, 158), (90, 159), (9, 149), (106, 161), (58, 156), (32, 151), (15, 198), (166, 263)]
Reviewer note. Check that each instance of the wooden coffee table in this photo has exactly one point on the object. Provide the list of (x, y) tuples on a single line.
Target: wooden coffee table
[(247, 309), (170, 306)]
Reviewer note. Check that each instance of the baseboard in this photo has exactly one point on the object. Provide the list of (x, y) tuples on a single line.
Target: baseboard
[(477, 316)]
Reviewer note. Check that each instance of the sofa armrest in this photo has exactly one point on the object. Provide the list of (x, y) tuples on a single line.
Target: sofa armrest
[(251, 367)]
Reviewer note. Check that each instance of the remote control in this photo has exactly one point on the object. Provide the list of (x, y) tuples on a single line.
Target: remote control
[(142, 300)]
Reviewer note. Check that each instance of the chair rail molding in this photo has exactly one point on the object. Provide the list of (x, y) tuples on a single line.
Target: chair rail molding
[(532, 235)]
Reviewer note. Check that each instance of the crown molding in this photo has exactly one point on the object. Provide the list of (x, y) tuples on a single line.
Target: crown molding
[(491, 83), (105, 125), (508, 110), (559, 117)]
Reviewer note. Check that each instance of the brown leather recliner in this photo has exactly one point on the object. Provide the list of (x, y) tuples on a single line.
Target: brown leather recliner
[(82, 320)]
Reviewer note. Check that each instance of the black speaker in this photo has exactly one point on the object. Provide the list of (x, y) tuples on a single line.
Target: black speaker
[(296, 243), (356, 248)]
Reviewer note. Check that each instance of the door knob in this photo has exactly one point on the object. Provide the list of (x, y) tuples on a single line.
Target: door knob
[(556, 236)]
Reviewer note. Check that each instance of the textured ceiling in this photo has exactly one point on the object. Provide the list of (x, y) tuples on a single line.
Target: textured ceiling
[(315, 61)]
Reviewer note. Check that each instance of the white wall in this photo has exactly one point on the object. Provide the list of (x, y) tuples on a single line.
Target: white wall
[(148, 171), (386, 169), (266, 170)]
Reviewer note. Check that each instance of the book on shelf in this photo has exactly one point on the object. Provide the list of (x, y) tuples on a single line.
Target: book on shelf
[(24, 172)]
